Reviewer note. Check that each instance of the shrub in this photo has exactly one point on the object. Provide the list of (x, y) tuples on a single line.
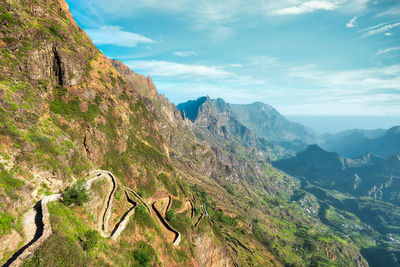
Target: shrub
[(58, 250), (6, 222), (142, 217), (77, 194), (171, 215), (143, 254), (91, 240), (9, 183)]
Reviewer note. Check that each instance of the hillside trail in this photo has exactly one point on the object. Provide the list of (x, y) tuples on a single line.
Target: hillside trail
[(37, 227), (160, 204)]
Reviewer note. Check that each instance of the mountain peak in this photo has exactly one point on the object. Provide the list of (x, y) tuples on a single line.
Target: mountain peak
[(190, 109)]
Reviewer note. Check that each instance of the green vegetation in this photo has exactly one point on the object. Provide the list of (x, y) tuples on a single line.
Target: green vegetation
[(176, 204), (171, 187), (6, 223), (91, 239), (364, 221), (55, 31), (76, 194), (58, 250), (143, 254), (6, 17), (71, 108), (171, 215), (63, 247), (142, 217), (9, 183)]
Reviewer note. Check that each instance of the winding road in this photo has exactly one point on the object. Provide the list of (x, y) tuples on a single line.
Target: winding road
[(177, 238), (42, 232), (42, 226), (42, 218)]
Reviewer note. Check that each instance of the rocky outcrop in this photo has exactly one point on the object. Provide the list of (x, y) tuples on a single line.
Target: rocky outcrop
[(144, 86), (209, 254)]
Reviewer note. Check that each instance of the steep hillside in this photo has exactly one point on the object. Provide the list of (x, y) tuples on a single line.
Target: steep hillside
[(356, 143), (76, 127)]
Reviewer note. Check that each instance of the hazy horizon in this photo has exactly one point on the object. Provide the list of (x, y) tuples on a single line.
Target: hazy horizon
[(335, 124)]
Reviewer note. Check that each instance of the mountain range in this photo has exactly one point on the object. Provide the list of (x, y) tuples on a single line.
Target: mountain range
[(99, 169), (355, 143)]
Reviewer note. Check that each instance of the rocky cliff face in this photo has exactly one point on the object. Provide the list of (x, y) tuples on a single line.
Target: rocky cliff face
[(67, 110)]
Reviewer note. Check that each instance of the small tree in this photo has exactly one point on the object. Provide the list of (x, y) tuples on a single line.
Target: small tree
[(143, 254), (171, 215), (76, 194), (91, 239)]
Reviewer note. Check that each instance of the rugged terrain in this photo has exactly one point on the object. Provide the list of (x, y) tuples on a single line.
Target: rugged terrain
[(66, 111), (358, 198), (356, 143)]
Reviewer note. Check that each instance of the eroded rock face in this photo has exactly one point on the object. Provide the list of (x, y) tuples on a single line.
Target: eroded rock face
[(209, 254), (142, 85), (9, 242)]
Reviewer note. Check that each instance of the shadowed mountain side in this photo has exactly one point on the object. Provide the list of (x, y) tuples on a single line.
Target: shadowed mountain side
[(368, 175), (356, 143)]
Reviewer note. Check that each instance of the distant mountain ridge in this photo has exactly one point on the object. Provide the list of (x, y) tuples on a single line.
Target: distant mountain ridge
[(213, 122), (268, 123), (262, 120), (355, 143), (369, 175)]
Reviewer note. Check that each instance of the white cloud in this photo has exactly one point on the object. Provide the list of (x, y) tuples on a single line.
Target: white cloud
[(351, 23), (113, 35), (307, 7), (236, 65), (380, 28), (168, 69), (387, 50), (185, 53), (217, 17), (389, 33)]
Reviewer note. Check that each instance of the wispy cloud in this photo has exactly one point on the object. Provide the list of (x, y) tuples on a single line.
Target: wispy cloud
[(169, 69), (113, 35), (185, 53), (351, 23), (380, 28), (387, 50), (218, 17), (307, 7), (393, 11), (389, 33)]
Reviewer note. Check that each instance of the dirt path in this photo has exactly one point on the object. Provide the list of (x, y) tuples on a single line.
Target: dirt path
[(37, 227), (102, 224), (199, 220), (184, 208), (120, 226), (177, 238), (41, 229), (140, 199)]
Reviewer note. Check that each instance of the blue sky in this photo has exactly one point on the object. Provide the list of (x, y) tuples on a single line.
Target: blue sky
[(304, 57)]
